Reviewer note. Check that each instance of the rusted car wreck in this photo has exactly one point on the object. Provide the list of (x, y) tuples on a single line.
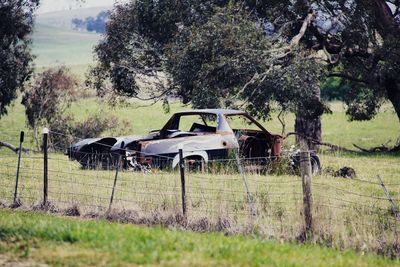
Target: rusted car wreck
[(203, 135)]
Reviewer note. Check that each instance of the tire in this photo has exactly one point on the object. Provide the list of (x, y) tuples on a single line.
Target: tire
[(315, 164)]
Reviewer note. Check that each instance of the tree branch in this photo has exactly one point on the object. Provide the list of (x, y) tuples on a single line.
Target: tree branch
[(13, 148), (317, 142), (347, 77), (307, 21)]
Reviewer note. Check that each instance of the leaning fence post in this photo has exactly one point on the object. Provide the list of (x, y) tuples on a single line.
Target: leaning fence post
[(21, 140), (116, 176), (45, 165), (393, 206), (305, 166), (241, 170), (183, 188)]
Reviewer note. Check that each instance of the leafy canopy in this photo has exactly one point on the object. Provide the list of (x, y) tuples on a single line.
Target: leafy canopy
[(211, 54), (254, 53), (16, 25)]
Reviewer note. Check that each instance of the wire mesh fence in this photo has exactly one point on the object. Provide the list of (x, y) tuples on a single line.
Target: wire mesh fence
[(234, 194)]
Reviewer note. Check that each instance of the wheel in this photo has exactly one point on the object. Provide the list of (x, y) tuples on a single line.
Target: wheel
[(315, 164)]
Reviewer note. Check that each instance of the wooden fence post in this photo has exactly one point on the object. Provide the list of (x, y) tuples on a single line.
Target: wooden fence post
[(21, 140), (392, 205), (305, 166), (45, 165), (183, 188), (249, 195), (116, 176)]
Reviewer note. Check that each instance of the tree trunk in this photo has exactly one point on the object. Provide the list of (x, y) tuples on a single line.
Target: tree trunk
[(393, 92), (310, 128)]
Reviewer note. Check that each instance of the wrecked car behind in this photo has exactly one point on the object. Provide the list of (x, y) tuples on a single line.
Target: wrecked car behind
[(203, 135)]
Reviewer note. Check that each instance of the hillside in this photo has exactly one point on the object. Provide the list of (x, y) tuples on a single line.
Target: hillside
[(55, 43), (62, 19), (56, 46)]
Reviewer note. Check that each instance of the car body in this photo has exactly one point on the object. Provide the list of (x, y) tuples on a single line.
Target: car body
[(206, 136), (203, 135)]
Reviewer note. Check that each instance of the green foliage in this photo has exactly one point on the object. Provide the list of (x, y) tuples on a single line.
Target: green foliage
[(334, 88), (214, 54), (363, 42), (47, 99), (52, 92), (251, 54), (294, 87), (16, 25), (216, 59)]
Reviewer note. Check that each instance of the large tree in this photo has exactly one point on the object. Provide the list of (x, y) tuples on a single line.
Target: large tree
[(366, 54), (16, 25), (212, 54), (283, 50)]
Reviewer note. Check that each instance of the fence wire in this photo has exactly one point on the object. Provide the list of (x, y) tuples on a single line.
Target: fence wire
[(220, 190)]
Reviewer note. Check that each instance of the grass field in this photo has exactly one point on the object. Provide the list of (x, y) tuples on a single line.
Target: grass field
[(28, 239), (348, 213), (56, 46)]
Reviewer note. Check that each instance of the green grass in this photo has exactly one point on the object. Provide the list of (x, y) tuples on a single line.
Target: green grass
[(343, 220), (347, 213), (43, 239)]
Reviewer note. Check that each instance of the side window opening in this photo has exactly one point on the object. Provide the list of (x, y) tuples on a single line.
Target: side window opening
[(198, 123)]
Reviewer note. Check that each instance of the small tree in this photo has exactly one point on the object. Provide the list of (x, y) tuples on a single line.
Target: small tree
[(49, 96), (16, 25)]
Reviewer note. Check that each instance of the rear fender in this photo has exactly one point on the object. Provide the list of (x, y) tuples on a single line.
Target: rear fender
[(187, 154)]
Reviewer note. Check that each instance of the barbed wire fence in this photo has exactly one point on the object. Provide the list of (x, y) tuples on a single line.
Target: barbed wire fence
[(233, 195)]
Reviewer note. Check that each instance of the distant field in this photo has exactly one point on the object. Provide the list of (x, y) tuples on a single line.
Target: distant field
[(62, 19), (28, 239), (58, 46)]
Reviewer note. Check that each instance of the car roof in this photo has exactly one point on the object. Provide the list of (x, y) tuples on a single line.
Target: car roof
[(212, 111)]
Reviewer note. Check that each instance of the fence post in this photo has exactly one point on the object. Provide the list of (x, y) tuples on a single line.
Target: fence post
[(241, 170), (393, 206), (305, 166), (21, 140), (183, 189), (45, 165), (116, 177)]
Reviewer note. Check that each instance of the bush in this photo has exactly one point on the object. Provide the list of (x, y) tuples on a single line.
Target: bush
[(51, 94), (67, 131)]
